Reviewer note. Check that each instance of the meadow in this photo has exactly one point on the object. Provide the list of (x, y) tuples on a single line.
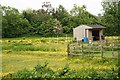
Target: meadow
[(28, 52)]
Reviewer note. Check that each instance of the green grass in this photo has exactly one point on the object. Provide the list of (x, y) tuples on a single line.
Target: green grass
[(27, 52)]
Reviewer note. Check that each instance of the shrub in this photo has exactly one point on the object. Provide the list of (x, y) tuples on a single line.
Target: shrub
[(44, 72)]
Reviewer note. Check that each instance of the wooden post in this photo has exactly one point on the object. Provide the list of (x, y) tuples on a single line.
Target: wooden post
[(68, 49), (102, 51), (79, 48), (112, 51), (74, 48), (89, 47), (92, 51), (82, 50), (89, 50), (101, 48)]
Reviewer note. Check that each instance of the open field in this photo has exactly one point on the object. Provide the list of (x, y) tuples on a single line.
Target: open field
[(27, 52)]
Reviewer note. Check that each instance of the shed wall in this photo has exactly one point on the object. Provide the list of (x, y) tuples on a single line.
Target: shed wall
[(79, 32), (84, 31)]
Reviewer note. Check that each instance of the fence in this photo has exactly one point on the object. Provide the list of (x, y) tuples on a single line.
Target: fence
[(102, 49)]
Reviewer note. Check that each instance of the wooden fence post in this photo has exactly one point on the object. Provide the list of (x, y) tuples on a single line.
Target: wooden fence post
[(74, 48), (68, 49), (92, 52), (82, 50), (102, 51), (89, 48), (112, 52)]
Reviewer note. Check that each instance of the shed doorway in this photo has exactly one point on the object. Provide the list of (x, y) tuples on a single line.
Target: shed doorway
[(95, 34)]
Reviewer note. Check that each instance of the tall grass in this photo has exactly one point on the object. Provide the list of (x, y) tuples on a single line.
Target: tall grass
[(35, 48), (30, 47), (31, 44)]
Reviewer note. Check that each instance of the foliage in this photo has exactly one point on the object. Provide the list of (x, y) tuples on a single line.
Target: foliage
[(46, 21), (17, 56), (58, 21), (82, 16), (13, 24), (111, 18), (50, 27), (42, 71), (36, 18)]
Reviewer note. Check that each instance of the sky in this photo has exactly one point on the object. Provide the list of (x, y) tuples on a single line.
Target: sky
[(93, 6)]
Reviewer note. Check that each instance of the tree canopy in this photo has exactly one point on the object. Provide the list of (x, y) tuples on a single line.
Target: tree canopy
[(111, 18), (13, 23), (49, 21)]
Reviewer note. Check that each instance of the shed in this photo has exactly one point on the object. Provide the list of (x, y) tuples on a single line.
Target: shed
[(92, 32)]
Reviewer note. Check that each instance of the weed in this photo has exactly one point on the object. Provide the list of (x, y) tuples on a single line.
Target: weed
[(28, 52), (42, 71)]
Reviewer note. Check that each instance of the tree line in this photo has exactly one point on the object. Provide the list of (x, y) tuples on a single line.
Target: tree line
[(49, 21)]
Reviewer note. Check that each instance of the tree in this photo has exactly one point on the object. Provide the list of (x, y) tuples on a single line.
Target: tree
[(38, 17), (50, 27), (47, 7), (45, 21), (13, 24), (60, 13), (82, 15), (111, 17), (65, 18)]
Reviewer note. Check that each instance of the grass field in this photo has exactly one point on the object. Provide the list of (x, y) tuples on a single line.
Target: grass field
[(27, 52)]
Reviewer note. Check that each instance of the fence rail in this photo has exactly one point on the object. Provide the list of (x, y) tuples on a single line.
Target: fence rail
[(98, 49)]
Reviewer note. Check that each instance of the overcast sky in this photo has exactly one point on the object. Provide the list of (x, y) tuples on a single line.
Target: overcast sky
[(93, 6)]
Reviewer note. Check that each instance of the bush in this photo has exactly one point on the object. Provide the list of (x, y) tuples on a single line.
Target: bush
[(44, 72)]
